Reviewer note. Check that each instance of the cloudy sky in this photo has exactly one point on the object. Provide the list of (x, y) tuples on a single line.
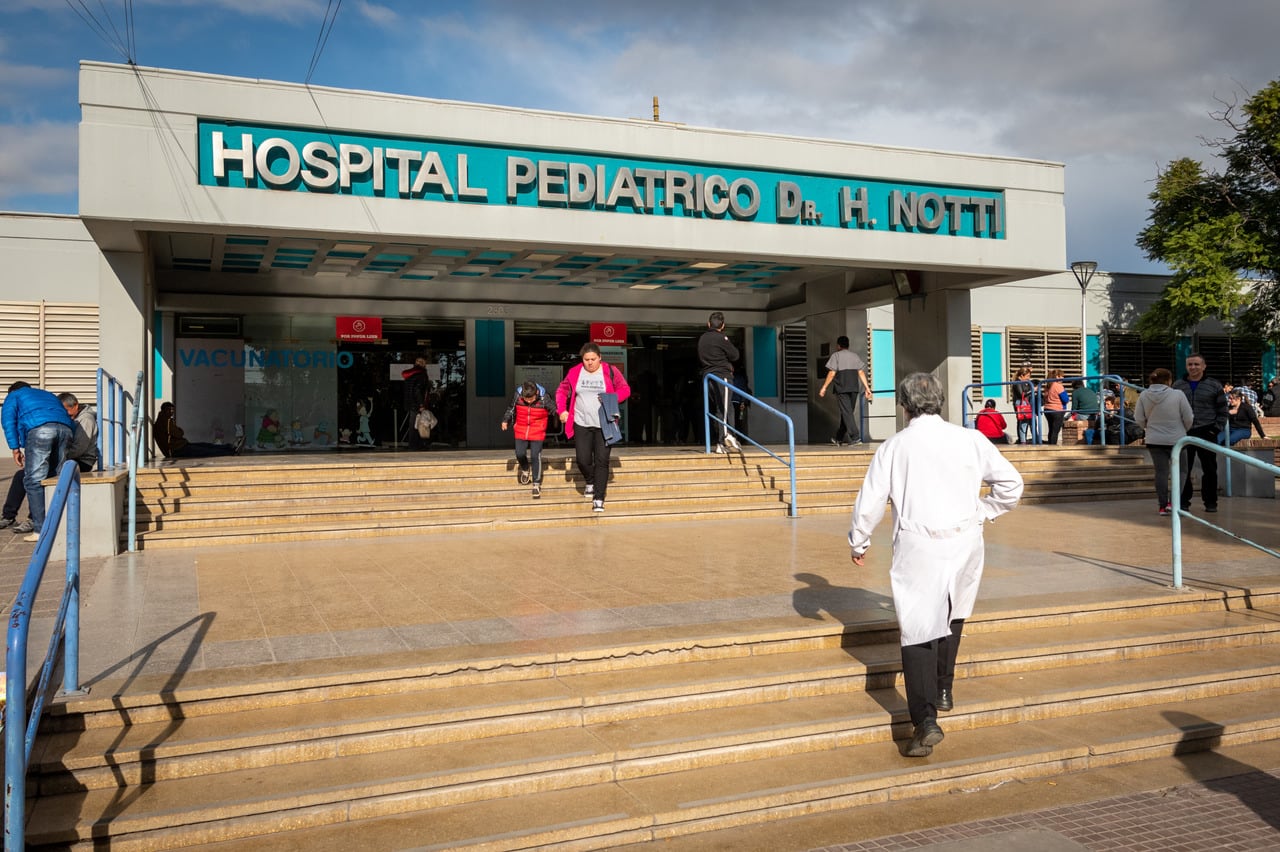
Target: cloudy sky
[(1114, 89)]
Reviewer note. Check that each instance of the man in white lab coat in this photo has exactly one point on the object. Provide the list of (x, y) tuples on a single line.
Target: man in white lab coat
[(932, 472)]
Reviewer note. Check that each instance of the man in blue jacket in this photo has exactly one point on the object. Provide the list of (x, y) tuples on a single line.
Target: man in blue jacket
[(1209, 417), (39, 431)]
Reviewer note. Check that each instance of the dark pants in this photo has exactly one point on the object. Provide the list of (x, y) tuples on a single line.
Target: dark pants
[(1208, 468), (529, 457), (202, 450), (718, 399), (1162, 461), (1055, 419), (17, 493), (927, 668), (848, 427), (593, 457)]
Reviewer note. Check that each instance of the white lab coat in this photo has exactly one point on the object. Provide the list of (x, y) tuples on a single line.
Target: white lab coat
[(932, 472)]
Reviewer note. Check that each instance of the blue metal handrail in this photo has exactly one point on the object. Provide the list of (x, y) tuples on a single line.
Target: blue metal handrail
[(1179, 512), (708, 417), (113, 406), (136, 448), (19, 728)]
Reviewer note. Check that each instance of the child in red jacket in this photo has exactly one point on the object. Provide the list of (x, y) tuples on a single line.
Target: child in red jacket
[(530, 412)]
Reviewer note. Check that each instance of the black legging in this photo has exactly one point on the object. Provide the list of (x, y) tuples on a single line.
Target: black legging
[(1055, 419)]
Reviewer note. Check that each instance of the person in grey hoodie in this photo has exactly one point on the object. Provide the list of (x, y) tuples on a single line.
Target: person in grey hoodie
[(1166, 416)]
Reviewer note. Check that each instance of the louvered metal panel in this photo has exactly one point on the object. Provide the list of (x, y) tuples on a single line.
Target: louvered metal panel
[(1046, 349), (795, 363), (1230, 359), (1133, 359), (975, 375), (51, 345)]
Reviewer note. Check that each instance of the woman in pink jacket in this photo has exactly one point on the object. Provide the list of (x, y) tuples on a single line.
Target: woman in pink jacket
[(578, 403)]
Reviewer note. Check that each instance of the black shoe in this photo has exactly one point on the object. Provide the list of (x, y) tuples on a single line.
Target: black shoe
[(926, 736), (1186, 507), (1211, 509), (944, 700)]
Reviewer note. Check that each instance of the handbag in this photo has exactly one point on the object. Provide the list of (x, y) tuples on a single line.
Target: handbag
[(1022, 410), (424, 423)]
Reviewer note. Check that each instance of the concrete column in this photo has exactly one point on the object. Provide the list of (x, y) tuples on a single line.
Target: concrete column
[(931, 334)]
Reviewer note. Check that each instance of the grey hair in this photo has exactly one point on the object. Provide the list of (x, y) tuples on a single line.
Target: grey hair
[(68, 399), (921, 393)]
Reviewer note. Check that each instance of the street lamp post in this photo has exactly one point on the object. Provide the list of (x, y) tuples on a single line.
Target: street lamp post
[(1083, 271)]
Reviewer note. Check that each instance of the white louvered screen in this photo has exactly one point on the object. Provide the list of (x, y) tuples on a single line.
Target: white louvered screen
[(51, 345), (1046, 349)]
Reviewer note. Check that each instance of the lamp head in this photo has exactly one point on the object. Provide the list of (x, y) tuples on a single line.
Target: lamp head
[(1083, 271)]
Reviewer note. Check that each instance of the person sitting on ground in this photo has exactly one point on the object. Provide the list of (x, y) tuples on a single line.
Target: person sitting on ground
[(1241, 418), (172, 444), (992, 423)]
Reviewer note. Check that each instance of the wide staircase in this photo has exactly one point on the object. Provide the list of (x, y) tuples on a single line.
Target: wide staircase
[(281, 498), (712, 741)]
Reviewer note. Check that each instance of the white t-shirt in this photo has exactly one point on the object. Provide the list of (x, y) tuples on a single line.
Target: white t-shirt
[(586, 397)]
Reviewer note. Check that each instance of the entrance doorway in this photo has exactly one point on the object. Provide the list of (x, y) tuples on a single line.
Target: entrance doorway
[(374, 381), (660, 363)]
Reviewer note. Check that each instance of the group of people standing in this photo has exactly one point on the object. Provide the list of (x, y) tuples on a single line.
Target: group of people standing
[(43, 431)]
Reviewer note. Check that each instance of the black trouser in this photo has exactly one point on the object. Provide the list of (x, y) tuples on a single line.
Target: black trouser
[(17, 493), (1208, 467), (1162, 461), (1055, 419), (848, 403), (593, 457), (927, 668), (718, 399)]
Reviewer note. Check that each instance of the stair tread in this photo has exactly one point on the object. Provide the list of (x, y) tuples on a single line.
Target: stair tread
[(706, 792)]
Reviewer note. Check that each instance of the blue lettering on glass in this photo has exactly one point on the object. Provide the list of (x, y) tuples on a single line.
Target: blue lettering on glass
[(295, 159), (263, 358)]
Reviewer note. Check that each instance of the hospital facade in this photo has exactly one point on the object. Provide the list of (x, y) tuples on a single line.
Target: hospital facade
[(262, 249)]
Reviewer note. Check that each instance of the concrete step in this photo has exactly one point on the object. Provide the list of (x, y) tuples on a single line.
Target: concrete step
[(618, 719), (568, 798)]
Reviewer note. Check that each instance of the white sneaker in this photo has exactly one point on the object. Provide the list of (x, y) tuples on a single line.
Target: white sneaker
[(589, 491), (720, 449), (526, 477), (537, 491), (732, 442), (597, 505), (33, 537)]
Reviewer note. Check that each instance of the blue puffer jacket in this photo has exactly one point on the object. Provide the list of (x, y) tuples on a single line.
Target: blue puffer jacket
[(25, 409)]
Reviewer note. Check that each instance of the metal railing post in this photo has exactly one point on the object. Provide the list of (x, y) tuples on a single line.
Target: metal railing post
[(733, 392)]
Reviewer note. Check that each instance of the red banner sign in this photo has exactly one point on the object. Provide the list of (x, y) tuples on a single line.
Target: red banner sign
[(609, 333), (359, 328)]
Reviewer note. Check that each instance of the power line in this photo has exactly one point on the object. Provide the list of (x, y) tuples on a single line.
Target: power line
[(86, 14), (322, 38)]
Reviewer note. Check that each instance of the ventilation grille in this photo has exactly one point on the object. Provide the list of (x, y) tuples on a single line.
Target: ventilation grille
[(50, 345), (1046, 349), (795, 363), (1132, 359)]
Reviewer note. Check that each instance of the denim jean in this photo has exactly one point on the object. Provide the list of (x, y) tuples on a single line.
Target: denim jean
[(529, 455), (46, 448), (1238, 435)]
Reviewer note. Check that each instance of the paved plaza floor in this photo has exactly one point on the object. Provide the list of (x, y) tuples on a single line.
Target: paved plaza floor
[(172, 617)]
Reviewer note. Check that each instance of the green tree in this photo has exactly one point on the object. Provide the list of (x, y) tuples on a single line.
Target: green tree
[(1217, 229)]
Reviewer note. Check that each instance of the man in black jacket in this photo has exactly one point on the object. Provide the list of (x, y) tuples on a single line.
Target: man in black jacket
[(1209, 418), (717, 354)]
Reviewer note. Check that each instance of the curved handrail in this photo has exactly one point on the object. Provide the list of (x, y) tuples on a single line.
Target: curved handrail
[(1178, 512), (19, 728), (136, 447), (791, 428)]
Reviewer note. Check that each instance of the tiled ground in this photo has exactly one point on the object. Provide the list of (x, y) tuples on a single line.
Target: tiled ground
[(1239, 812)]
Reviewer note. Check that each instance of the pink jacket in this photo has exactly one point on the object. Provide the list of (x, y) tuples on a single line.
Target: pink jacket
[(614, 382)]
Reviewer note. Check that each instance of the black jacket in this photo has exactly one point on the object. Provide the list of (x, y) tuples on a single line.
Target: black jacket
[(717, 354), (1208, 403)]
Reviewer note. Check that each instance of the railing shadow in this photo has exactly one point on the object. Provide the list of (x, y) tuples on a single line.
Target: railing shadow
[(1257, 790), (129, 789), (868, 619)]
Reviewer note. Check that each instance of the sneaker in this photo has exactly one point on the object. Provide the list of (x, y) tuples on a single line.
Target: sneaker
[(720, 449), (24, 527), (1166, 510), (7, 522), (597, 505), (1211, 509), (35, 536), (855, 443), (589, 491), (537, 491), (525, 477), (732, 443), (837, 443)]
